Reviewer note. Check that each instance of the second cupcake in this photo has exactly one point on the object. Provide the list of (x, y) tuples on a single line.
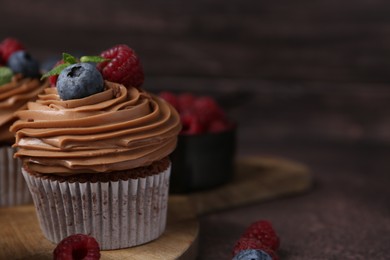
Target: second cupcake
[(19, 83)]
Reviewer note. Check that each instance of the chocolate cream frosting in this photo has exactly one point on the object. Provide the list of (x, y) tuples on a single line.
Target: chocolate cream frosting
[(13, 97), (118, 129)]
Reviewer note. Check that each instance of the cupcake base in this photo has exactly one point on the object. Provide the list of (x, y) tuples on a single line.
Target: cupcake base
[(118, 213), (13, 187)]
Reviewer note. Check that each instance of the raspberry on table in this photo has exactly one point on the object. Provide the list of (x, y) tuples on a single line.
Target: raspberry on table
[(263, 231), (123, 67), (8, 46), (77, 247)]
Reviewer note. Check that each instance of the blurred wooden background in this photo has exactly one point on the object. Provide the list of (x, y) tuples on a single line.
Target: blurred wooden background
[(305, 79), (306, 40), (302, 70)]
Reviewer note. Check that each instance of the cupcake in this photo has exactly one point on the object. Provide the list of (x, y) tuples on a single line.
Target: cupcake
[(95, 151), (204, 157), (19, 83)]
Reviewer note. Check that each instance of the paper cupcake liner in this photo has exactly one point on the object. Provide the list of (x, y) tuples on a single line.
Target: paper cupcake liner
[(118, 214), (13, 187)]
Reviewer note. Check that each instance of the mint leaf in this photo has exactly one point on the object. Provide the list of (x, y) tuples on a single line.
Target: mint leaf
[(5, 75), (67, 58), (95, 59), (56, 70)]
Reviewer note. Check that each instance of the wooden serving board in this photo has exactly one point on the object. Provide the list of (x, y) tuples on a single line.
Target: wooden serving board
[(256, 179), (21, 237)]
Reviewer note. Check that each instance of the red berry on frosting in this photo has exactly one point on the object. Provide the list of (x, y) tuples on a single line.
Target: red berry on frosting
[(123, 66), (8, 46), (53, 79), (263, 231), (77, 247), (2, 62)]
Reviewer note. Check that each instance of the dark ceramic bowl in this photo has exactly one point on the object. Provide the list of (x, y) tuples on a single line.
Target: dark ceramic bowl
[(203, 161)]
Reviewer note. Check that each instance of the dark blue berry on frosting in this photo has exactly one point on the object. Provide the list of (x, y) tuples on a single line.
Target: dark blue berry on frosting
[(22, 62), (252, 254), (79, 80)]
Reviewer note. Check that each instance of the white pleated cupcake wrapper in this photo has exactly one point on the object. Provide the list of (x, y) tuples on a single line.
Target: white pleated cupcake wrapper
[(13, 187), (118, 214)]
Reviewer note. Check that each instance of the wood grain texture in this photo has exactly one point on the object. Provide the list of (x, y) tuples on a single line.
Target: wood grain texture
[(306, 40), (21, 237), (257, 179)]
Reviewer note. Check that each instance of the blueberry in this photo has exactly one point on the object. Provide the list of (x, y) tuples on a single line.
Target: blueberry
[(79, 80), (22, 62), (252, 254)]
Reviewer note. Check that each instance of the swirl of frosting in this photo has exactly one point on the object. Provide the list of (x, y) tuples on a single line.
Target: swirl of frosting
[(118, 129), (13, 97)]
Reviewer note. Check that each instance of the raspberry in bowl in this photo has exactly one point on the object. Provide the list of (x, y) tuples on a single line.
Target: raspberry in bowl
[(204, 156)]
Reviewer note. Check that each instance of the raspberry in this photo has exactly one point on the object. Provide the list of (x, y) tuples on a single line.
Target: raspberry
[(218, 126), (251, 243), (2, 62), (191, 124), (53, 79), (77, 247), (208, 110), (247, 243), (263, 231), (198, 114), (170, 98), (124, 66), (9, 46), (186, 102)]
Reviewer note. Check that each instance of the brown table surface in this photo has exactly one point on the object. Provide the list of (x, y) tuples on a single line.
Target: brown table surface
[(307, 80)]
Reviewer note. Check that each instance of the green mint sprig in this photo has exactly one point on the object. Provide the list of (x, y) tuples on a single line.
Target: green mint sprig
[(5, 75), (69, 60), (95, 59)]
